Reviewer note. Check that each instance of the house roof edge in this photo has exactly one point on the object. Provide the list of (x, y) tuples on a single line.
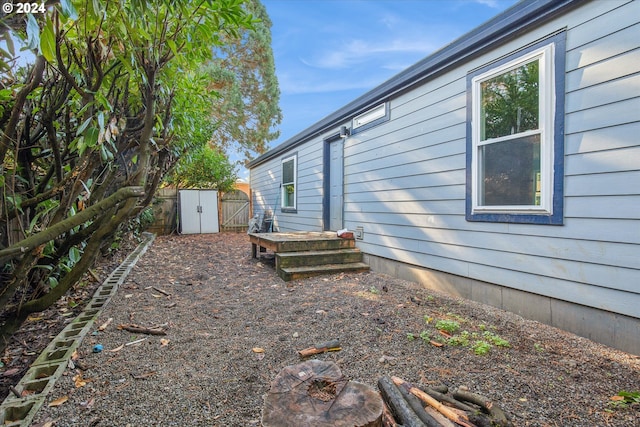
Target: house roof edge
[(513, 21)]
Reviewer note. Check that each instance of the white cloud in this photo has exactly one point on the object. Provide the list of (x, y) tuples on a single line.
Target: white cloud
[(491, 3), (357, 51), (318, 83)]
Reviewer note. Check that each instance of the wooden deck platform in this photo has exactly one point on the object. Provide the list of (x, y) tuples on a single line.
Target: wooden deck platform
[(305, 253), (293, 242)]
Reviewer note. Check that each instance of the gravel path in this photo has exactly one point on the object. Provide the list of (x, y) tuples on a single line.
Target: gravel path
[(223, 304)]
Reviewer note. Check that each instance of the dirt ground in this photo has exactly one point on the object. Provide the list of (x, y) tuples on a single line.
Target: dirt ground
[(223, 307)]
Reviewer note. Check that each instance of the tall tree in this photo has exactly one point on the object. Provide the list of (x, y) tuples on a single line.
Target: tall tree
[(247, 110), (205, 168), (92, 126)]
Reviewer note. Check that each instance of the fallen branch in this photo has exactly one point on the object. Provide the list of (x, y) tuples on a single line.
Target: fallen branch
[(163, 292), (498, 415), (15, 391), (94, 275), (463, 420), (142, 330), (143, 376), (440, 396), (333, 345), (438, 417), (419, 409)]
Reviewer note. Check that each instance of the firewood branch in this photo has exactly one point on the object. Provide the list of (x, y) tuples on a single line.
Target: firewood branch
[(498, 415), (462, 420), (142, 330)]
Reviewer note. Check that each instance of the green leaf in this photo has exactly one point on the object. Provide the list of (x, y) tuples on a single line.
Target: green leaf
[(172, 46), (68, 10), (103, 101), (104, 153), (5, 94), (9, 41), (33, 32), (95, 9), (91, 136), (74, 255), (53, 282), (83, 126), (48, 41), (81, 145), (100, 119)]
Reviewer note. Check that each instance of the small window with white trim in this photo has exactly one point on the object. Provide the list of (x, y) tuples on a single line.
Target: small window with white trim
[(288, 184), (516, 139), (370, 118)]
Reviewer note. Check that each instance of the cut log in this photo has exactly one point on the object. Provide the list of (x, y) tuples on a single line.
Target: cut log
[(400, 408), (419, 408), (315, 393), (387, 417), (441, 419)]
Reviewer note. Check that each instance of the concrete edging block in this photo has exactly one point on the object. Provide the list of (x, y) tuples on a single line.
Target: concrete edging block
[(52, 362)]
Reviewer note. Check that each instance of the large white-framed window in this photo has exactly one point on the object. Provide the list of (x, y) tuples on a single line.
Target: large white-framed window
[(515, 141), (288, 185)]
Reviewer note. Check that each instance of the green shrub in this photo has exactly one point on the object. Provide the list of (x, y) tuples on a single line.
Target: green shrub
[(450, 326), (481, 348), (496, 340)]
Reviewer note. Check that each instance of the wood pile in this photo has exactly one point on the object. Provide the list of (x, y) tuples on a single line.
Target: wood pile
[(315, 393), (407, 405)]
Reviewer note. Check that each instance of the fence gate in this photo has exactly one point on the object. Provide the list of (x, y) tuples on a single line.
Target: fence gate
[(235, 211)]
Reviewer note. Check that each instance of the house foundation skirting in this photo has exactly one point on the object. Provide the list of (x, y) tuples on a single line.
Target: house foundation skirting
[(611, 329)]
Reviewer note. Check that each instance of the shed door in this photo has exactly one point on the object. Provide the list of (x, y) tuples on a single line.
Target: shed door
[(190, 211), (199, 211), (336, 171), (209, 211)]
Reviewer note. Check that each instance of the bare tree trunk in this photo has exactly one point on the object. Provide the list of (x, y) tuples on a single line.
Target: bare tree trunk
[(64, 226)]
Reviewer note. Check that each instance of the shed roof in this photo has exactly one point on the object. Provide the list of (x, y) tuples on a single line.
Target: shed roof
[(500, 29)]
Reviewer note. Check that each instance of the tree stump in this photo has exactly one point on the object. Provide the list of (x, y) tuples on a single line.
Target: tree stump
[(315, 393)]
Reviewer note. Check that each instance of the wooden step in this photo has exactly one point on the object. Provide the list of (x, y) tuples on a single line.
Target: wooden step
[(294, 273), (311, 258), (299, 241), (315, 245)]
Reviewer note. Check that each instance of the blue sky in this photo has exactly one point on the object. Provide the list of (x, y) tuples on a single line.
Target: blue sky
[(329, 52)]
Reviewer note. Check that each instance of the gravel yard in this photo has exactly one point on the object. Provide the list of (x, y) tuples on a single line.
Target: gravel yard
[(223, 307)]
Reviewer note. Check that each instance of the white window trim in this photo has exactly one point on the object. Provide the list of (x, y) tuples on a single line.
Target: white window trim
[(546, 131), (295, 183), (370, 116)]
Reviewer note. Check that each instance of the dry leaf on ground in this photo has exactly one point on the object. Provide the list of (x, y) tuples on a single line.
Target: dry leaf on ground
[(59, 401)]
